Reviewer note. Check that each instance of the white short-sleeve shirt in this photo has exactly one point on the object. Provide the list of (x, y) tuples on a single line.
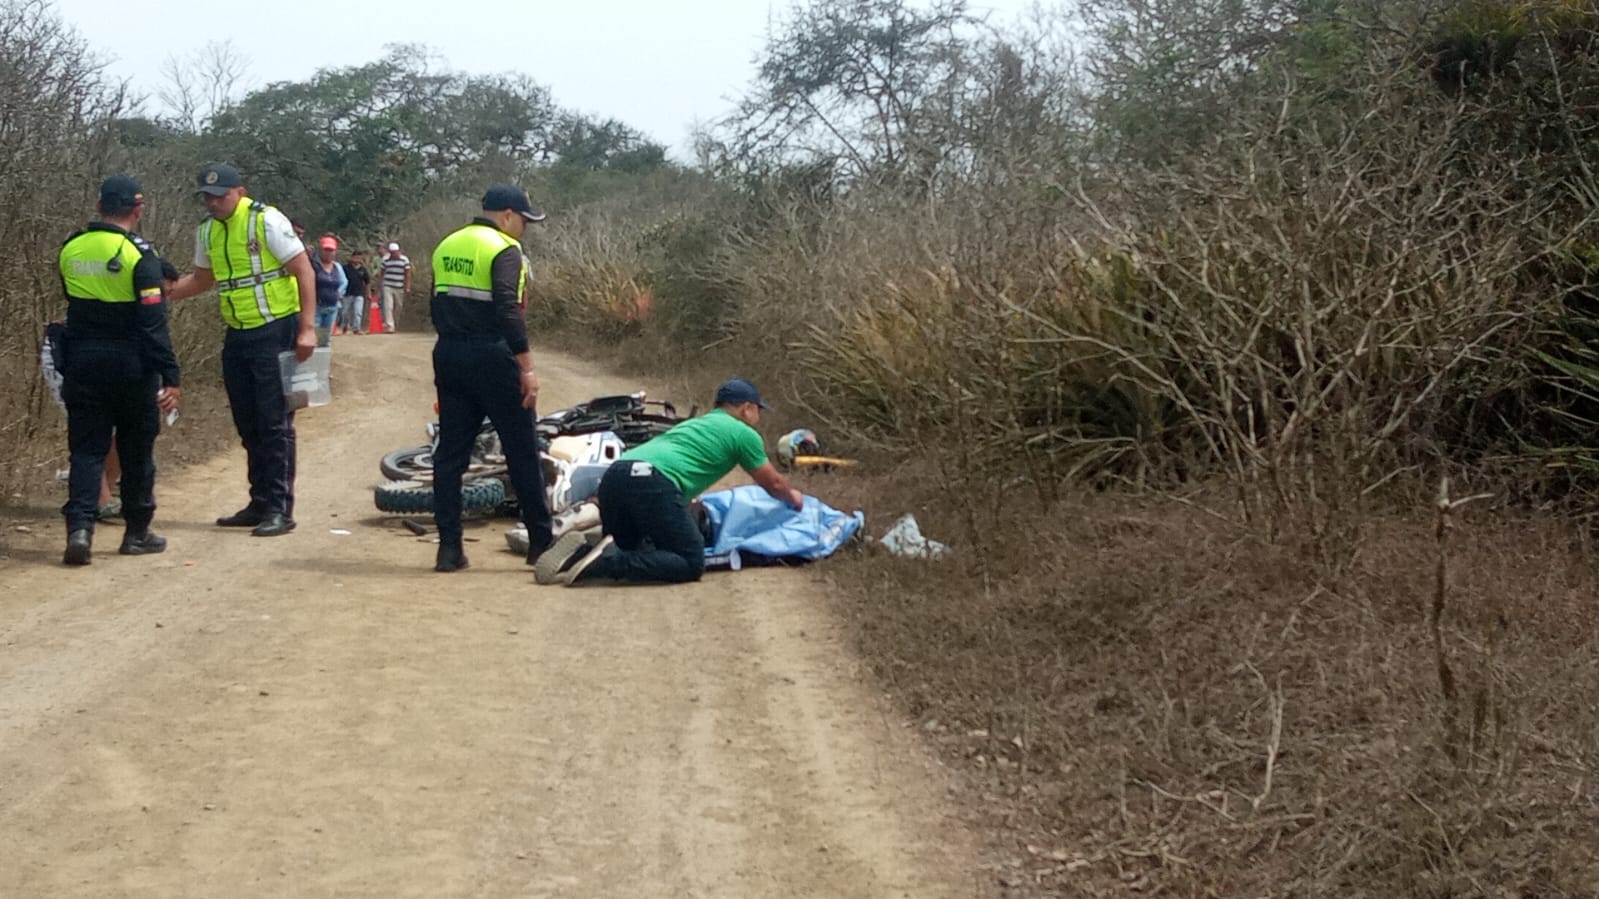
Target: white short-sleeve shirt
[(280, 238)]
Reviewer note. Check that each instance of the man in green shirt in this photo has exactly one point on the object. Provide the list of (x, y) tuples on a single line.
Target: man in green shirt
[(650, 536)]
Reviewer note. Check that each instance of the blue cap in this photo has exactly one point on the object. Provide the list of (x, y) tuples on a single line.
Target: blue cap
[(218, 178), (737, 391), (120, 193), (509, 196)]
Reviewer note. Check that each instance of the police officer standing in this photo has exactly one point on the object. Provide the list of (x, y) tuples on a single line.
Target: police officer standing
[(482, 366), (249, 252), (120, 372)]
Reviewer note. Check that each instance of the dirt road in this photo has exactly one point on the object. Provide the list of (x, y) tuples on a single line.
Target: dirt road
[(322, 715)]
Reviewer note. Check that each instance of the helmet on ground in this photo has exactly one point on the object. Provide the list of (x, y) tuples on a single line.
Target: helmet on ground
[(801, 442)]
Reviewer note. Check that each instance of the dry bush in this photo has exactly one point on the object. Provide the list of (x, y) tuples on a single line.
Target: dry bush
[(648, 275), (1154, 701), (53, 103), (63, 127), (1309, 309), (1319, 307), (1299, 324), (589, 273), (852, 275)]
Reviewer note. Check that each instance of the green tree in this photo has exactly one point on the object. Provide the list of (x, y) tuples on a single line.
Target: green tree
[(594, 145), (356, 147)]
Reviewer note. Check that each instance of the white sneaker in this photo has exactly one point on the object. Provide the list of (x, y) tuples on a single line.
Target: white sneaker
[(553, 562), (569, 574)]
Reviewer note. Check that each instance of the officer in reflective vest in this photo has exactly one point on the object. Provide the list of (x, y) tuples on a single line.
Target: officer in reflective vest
[(482, 366), (120, 371), (249, 252)]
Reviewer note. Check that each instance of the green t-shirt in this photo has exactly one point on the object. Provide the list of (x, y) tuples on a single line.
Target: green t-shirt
[(695, 454)]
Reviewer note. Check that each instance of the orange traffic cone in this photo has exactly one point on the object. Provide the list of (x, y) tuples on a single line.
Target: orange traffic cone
[(374, 317)]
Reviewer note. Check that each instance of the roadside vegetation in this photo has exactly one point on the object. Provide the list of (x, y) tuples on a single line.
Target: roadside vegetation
[(1243, 352)]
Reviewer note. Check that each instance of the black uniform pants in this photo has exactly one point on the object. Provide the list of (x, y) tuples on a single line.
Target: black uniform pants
[(656, 537), (108, 391), (254, 381), (479, 378)]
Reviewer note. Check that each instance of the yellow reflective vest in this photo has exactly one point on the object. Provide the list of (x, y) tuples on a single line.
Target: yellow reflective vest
[(462, 263), (254, 286), (98, 265)]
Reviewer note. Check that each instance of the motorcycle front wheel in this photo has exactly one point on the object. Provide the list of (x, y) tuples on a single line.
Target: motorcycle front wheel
[(413, 498)]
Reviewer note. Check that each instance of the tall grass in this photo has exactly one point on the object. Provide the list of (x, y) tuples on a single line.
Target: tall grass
[(1176, 419), (1315, 309)]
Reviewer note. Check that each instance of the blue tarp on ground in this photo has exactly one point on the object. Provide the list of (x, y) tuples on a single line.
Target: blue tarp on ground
[(753, 527)]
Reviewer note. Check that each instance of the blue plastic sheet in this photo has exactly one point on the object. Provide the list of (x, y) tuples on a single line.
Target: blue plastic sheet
[(753, 528)]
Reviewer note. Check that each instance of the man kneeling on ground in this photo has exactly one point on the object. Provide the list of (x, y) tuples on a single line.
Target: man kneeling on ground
[(650, 536)]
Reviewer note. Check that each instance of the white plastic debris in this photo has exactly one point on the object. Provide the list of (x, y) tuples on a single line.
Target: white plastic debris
[(905, 539), (516, 539)]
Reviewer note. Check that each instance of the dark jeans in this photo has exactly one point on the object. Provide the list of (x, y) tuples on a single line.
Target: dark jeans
[(656, 537), (254, 380), (477, 379), (107, 389)]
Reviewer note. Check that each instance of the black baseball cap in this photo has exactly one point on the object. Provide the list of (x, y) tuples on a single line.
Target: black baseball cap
[(738, 391), (509, 196), (218, 178), (120, 193)]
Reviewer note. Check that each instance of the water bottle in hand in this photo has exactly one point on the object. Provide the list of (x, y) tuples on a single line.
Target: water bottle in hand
[(171, 417)]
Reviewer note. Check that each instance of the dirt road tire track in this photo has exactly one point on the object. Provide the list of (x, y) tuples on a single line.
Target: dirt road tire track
[(322, 715)]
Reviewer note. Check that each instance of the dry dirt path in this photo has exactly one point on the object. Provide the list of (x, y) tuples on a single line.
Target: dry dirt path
[(322, 715)]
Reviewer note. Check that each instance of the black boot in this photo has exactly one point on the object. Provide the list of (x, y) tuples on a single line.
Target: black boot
[(247, 517), (451, 558), (536, 548), (78, 544), (273, 524), (143, 543)]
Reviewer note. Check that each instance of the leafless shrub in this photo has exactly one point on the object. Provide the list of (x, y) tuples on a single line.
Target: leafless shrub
[(1313, 301), (196, 87), (54, 102), (1303, 307)]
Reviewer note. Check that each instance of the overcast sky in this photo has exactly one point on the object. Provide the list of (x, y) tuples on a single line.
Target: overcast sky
[(657, 65)]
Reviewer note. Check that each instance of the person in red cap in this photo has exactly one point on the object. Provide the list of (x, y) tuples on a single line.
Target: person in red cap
[(330, 285)]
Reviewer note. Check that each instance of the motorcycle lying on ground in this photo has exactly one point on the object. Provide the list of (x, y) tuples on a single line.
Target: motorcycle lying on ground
[(573, 442)]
